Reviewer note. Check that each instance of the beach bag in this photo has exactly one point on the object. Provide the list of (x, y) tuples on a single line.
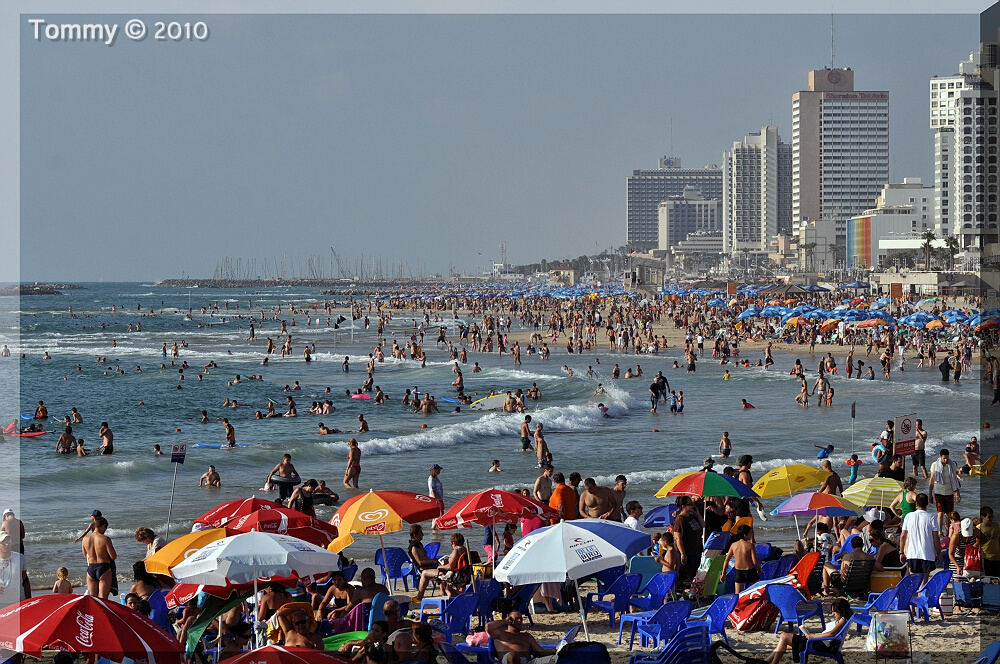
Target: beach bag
[(889, 635), (731, 655), (753, 611), (973, 561)]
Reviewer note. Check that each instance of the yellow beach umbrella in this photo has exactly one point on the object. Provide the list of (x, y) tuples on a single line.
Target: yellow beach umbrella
[(935, 324), (874, 492), (177, 551), (786, 480), (797, 320)]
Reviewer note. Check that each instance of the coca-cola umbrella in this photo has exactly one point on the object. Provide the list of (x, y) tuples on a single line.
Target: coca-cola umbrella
[(86, 624), (284, 521), (488, 508), (182, 593), (234, 509)]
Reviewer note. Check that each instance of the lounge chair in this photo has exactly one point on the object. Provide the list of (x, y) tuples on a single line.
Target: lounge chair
[(689, 646), (929, 596), (663, 624), (984, 468), (857, 580), (715, 616), (834, 654), (646, 566), (622, 590), (793, 607), (862, 615)]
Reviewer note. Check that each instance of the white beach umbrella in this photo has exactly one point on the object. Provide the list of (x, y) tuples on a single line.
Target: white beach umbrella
[(251, 556), (557, 554)]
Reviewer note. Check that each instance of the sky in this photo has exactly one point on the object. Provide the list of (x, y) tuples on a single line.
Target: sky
[(426, 140)]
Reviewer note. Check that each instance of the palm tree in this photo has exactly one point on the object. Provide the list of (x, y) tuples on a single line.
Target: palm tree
[(928, 237), (953, 246), (837, 249), (810, 249)]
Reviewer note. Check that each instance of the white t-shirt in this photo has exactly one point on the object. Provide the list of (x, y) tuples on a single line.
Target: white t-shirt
[(434, 487), (633, 523), (920, 527)]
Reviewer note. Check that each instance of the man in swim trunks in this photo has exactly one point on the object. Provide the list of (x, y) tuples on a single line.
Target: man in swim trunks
[(66, 442), (542, 490), (526, 434), (230, 432), (100, 554), (108, 440), (286, 471), (595, 501), (353, 471)]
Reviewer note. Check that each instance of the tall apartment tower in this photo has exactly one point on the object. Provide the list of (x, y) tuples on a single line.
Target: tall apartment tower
[(840, 149), (963, 116), (757, 192), (648, 187)]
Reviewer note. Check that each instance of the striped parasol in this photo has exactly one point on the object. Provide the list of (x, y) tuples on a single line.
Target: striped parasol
[(874, 492)]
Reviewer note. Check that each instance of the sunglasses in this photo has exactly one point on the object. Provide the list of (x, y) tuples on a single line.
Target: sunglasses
[(300, 622)]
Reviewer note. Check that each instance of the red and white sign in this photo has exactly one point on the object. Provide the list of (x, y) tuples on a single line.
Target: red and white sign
[(905, 438)]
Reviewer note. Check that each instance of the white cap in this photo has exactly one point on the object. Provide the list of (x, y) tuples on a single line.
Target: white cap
[(8, 511), (874, 514), (966, 527)]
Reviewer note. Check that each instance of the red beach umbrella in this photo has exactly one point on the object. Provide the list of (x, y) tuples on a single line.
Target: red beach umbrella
[(282, 655), (85, 624), (284, 521), (494, 506), (234, 509)]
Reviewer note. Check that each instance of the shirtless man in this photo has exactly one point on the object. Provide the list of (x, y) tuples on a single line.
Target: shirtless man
[(210, 478), (362, 424), (107, 440), (286, 470), (15, 527), (541, 447), (919, 449), (596, 501), (619, 494), (743, 553), (353, 471), (295, 623), (514, 645), (100, 553), (510, 403), (543, 485), (526, 434), (366, 592), (832, 484), (67, 442)]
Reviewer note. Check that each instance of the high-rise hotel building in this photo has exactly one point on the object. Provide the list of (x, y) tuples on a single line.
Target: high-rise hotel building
[(647, 188), (757, 192), (840, 149)]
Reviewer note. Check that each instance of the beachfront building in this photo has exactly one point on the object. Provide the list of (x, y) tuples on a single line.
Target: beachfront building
[(840, 148), (903, 212), (689, 213), (815, 242), (699, 249), (647, 188), (757, 192), (963, 116)]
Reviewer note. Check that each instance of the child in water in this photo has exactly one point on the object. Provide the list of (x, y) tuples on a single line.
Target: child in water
[(495, 468), (854, 462)]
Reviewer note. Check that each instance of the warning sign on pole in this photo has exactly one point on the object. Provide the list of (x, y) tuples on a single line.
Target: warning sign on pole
[(906, 434), (178, 452)]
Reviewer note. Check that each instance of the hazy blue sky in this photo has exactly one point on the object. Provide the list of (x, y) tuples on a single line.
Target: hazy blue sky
[(423, 138)]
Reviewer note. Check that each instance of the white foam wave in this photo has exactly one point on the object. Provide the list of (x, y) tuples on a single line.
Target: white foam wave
[(577, 417)]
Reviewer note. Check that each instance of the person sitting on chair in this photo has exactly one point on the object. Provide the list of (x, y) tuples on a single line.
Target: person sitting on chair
[(513, 644)]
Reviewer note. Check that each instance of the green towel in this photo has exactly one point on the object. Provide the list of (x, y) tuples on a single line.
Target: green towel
[(333, 643)]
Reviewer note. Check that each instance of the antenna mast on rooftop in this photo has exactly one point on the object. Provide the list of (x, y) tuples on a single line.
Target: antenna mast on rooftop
[(831, 40)]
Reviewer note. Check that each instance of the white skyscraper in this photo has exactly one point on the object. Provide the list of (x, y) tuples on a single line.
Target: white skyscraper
[(756, 192), (963, 115), (840, 148)]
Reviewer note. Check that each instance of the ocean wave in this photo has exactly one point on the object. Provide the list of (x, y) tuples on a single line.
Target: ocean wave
[(578, 417)]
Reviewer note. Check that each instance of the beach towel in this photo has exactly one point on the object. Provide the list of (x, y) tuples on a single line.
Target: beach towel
[(753, 611)]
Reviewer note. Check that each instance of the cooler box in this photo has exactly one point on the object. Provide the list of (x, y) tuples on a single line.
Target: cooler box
[(881, 581)]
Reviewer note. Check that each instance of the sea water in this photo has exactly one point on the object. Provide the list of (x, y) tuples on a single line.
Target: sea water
[(132, 488)]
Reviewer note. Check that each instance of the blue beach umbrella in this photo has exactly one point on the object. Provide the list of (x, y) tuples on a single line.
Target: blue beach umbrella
[(660, 517), (612, 532)]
